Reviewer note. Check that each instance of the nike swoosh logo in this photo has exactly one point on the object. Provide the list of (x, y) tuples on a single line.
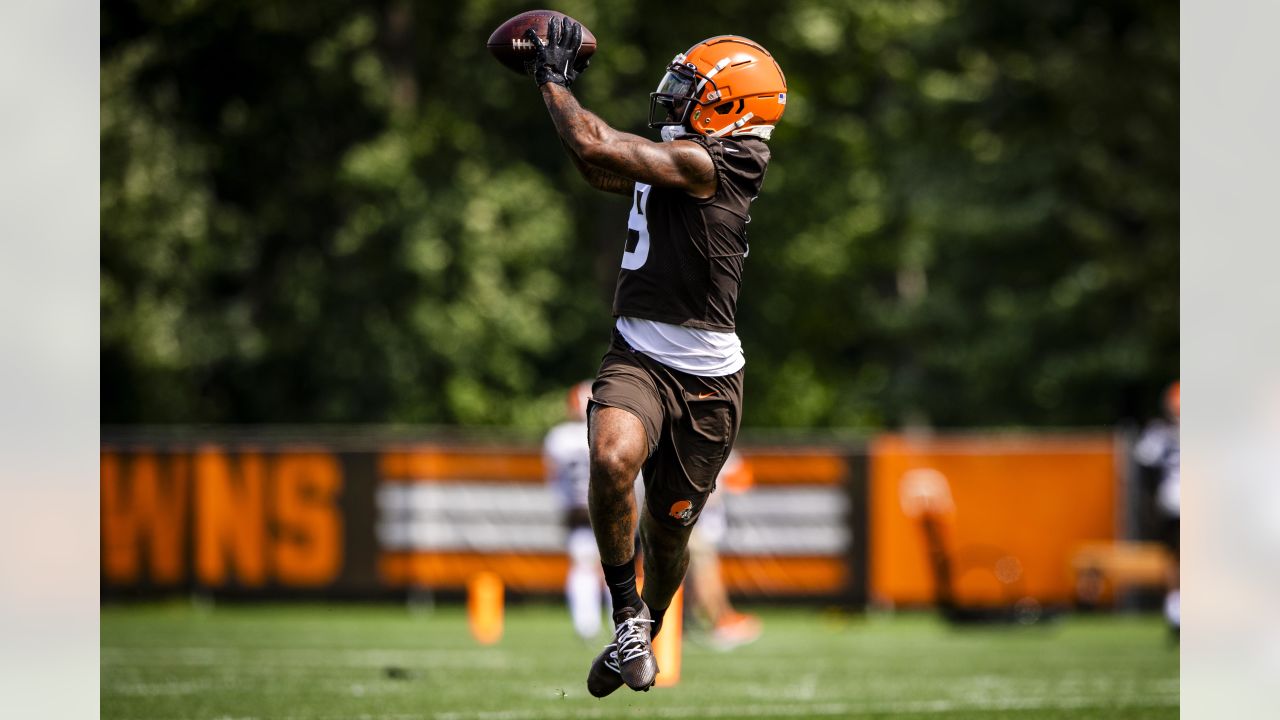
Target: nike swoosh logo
[(704, 396)]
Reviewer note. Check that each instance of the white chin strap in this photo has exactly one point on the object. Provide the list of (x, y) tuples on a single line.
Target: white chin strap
[(761, 131), (672, 132), (733, 125), (735, 129)]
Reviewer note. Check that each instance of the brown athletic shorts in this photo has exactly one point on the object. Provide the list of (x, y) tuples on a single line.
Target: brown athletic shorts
[(691, 422)]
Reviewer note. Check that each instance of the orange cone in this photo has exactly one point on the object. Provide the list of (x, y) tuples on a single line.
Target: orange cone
[(666, 648), (485, 607)]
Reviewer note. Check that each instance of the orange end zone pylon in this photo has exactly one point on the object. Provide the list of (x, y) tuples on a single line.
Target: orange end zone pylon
[(666, 648), (485, 607)]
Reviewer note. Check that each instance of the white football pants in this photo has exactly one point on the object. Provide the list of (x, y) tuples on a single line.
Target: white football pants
[(584, 587)]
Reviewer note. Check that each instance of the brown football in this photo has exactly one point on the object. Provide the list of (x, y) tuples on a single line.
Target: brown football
[(508, 45)]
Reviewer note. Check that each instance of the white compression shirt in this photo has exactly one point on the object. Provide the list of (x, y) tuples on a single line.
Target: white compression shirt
[(697, 352)]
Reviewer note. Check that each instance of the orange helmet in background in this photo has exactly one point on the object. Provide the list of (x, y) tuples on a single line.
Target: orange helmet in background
[(723, 86), (736, 476), (577, 399)]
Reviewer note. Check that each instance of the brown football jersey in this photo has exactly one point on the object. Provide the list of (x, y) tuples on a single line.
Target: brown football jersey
[(684, 256)]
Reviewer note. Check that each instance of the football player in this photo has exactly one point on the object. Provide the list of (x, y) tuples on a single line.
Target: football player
[(1158, 450), (566, 457), (667, 399)]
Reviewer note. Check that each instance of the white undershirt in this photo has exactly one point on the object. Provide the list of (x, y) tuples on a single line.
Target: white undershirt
[(697, 352)]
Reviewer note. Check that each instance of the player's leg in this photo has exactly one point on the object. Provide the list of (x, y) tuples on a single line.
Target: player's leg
[(704, 412), (666, 558), (1173, 598), (704, 572), (626, 418), (624, 421), (709, 597), (619, 446), (582, 585), (727, 628), (618, 449)]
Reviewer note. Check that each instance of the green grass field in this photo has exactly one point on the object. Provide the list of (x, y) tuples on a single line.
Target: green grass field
[(385, 662)]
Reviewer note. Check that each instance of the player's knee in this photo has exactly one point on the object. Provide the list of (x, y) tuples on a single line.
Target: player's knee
[(614, 465)]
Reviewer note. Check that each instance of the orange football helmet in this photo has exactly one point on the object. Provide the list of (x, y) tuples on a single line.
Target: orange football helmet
[(725, 85)]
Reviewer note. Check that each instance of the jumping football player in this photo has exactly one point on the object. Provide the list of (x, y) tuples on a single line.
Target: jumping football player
[(667, 399)]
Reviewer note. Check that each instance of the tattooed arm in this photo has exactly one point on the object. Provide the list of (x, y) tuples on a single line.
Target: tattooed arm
[(598, 178), (624, 157)]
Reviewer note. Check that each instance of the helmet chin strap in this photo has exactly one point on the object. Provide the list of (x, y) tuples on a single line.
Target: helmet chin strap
[(673, 132), (764, 132)]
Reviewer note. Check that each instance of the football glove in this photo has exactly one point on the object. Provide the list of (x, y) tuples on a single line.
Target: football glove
[(556, 60)]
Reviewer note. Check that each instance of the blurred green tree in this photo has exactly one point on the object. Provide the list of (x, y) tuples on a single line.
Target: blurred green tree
[(346, 212)]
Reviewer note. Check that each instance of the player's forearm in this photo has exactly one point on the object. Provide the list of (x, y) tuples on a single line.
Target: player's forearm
[(599, 178), (580, 129)]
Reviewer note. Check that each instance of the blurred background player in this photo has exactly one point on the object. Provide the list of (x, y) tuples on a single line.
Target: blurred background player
[(726, 627), (1157, 451), (567, 459)]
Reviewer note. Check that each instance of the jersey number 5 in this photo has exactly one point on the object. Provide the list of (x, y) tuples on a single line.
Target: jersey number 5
[(637, 249)]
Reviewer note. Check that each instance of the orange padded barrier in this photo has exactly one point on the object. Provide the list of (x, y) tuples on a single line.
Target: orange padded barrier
[(1019, 507)]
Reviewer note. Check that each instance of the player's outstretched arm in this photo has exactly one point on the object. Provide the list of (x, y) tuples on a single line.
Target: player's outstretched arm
[(681, 164), (622, 157)]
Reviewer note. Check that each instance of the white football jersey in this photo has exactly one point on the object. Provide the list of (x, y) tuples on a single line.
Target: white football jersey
[(1159, 448), (568, 461)]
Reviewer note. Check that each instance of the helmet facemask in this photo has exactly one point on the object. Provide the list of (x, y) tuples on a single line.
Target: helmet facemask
[(676, 95)]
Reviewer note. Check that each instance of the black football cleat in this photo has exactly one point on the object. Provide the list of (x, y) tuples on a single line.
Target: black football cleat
[(604, 677), (609, 671), (632, 635)]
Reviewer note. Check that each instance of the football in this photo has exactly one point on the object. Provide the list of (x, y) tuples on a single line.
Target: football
[(510, 47)]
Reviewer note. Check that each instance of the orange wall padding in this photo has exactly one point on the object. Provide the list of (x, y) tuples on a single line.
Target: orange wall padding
[(804, 466), (546, 573), (1022, 505)]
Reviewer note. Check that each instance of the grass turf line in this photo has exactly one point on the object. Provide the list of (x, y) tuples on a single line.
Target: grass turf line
[(326, 662)]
